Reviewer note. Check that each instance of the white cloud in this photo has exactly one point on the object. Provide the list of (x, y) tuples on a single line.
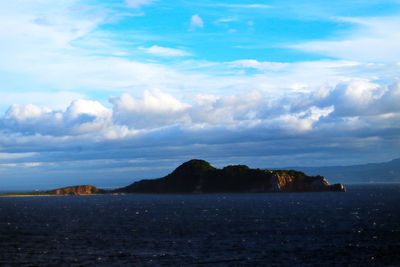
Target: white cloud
[(81, 117), (153, 101), (224, 110), (360, 98), (225, 20), (363, 92), (256, 6), (87, 107), (302, 121), (14, 156), (286, 78), (300, 110), (164, 51), (53, 100), (32, 164), (376, 39), (251, 63), (137, 3), (155, 109), (52, 29), (26, 112), (88, 117), (196, 22)]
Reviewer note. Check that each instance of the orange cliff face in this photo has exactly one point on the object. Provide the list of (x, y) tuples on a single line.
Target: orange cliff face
[(289, 183), (284, 181), (76, 190)]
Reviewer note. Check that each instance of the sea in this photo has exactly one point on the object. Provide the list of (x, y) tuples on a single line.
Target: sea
[(358, 228)]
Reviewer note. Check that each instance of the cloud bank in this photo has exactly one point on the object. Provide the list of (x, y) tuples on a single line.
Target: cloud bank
[(338, 120)]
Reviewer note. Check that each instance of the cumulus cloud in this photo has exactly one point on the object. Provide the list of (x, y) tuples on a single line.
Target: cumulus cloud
[(296, 112), (31, 119), (87, 107), (303, 121), (82, 116), (164, 51), (224, 110), (24, 113), (361, 98), (88, 116), (196, 22), (155, 109)]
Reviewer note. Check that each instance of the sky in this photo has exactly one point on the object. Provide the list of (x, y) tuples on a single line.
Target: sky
[(109, 92)]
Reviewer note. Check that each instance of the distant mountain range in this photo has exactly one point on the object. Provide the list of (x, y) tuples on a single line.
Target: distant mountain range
[(386, 172)]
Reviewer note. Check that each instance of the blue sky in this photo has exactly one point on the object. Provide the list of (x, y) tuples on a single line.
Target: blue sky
[(107, 92)]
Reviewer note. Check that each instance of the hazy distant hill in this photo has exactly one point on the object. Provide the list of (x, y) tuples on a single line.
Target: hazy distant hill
[(367, 173)]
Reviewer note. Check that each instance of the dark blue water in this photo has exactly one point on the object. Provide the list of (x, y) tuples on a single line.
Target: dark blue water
[(357, 228)]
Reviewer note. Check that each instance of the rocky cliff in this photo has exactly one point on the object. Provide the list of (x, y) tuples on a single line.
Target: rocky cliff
[(76, 190), (198, 176), (295, 181)]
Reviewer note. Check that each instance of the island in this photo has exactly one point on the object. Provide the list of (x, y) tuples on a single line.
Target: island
[(76, 190), (198, 176)]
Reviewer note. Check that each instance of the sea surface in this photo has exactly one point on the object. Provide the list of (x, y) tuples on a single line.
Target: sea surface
[(358, 228)]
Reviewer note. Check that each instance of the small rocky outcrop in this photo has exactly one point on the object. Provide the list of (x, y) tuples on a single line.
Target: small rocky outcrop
[(76, 190), (338, 188)]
